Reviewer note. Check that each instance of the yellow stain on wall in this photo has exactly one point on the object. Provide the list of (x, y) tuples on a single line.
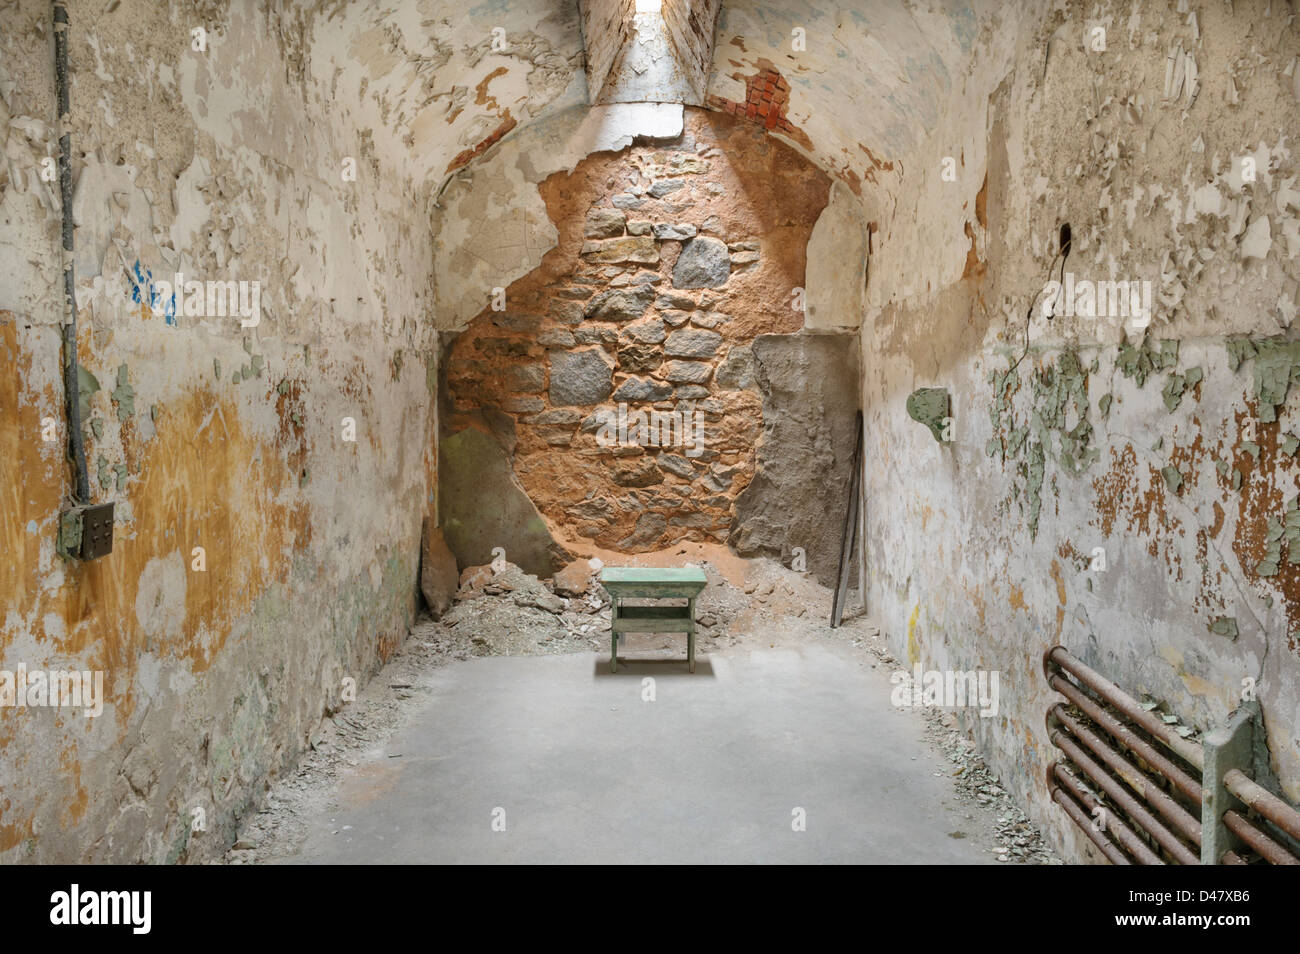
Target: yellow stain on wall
[(1060, 596), (913, 648), (1195, 684)]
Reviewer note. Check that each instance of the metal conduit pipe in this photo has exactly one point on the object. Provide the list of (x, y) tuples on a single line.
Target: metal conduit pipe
[(71, 376), (1126, 737), (1117, 697), (1177, 816), (1115, 827)]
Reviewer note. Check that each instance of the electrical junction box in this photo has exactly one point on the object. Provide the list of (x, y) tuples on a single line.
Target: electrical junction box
[(86, 532)]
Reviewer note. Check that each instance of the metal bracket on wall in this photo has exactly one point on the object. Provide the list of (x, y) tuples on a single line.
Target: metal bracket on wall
[(1228, 747)]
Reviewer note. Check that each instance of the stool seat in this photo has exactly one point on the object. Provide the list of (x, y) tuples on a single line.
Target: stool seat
[(624, 583)]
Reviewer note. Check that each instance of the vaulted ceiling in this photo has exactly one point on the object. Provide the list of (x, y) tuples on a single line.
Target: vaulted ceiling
[(436, 84)]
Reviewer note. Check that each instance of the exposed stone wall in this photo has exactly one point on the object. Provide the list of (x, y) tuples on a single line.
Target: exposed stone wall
[(671, 258)]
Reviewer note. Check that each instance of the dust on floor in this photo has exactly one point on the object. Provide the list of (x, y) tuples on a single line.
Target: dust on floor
[(746, 604)]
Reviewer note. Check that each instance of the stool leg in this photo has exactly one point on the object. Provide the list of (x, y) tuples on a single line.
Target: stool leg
[(690, 639), (613, 636)]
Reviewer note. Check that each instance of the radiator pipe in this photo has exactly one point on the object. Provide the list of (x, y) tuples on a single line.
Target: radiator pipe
[(1117, 697), (1107, 847), (1263, 801), (1115, 827), (1274, 853), (1177, 816), (1131, 806), (1129, 739)]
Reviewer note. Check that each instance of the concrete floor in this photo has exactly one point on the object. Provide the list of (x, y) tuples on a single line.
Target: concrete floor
[(711, 771)]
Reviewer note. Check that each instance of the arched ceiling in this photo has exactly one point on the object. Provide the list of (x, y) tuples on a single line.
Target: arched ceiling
[(435, 83), (438, 82), (869, 82)]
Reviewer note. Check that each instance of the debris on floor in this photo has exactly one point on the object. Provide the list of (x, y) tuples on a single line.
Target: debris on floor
[(505, 611), (1017, 838)]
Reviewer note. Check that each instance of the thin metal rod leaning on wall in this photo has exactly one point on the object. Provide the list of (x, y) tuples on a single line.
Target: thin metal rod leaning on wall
[(849, 538), (862, 526)]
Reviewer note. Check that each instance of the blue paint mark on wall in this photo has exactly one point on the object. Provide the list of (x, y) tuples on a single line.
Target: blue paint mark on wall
[(144, 292)]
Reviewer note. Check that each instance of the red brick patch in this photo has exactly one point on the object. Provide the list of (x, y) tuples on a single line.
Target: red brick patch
[(767, 96)]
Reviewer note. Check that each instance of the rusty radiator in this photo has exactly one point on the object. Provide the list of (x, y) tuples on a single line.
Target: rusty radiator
[(1145, 795)]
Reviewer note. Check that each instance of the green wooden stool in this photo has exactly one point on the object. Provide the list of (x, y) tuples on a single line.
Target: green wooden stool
[(656, 583)]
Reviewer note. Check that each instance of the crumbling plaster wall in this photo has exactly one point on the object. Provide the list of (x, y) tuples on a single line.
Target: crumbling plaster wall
[(691, 25), (435, 84), (227, 165), (491, 221), (794, 507), (1158, 448), (222, 164), (607, 25), (838, 262)]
